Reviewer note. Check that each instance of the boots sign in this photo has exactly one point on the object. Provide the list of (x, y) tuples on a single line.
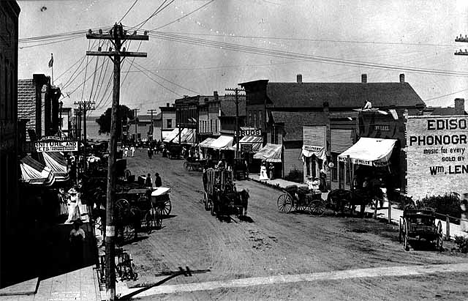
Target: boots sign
[(437, 155)]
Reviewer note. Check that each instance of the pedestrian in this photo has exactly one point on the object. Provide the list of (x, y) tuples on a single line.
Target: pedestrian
[(73, 199), (150, 152), (125, 154), (157, 181), (148, 181), (76, 238), (464, 213), (323, 180), (132, 150)]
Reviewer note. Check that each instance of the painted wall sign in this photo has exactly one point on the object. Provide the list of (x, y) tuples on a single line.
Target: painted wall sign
[(437, 155)]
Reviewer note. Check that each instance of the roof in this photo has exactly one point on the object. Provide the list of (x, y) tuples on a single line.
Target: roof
[(342, 95), (442, 111), (294, 121)]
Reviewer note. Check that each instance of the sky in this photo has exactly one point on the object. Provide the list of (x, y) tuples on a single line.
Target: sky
[(196, 47)]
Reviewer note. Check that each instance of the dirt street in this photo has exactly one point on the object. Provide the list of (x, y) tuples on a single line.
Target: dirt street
[(275, 256)]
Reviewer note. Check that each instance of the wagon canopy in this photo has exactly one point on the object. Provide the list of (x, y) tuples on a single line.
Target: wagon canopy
[(270, 153), (370, 152)]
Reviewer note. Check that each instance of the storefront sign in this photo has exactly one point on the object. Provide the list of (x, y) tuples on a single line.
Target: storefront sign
[(246, 147), (250, 132), (56, 146), (437, 155)]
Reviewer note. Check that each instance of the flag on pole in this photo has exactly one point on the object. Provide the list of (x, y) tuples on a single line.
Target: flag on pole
[(51, 62)]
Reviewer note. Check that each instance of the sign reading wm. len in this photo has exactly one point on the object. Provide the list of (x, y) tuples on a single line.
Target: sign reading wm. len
[(437, 155), (56, 146)]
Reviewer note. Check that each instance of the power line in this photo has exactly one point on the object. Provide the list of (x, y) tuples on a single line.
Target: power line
[(297, 56), (185, 16), (128, 11)]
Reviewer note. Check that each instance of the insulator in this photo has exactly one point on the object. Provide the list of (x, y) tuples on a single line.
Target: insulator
[(124, 50), (135, 32), (90, 31), (100, 31), (146, 33), (99, 49), (110, 49), (125, 32)]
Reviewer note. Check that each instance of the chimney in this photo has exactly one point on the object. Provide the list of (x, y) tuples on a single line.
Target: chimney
[(299, 78), (216, 97), (364, 78), (402, 78), (459, 106)]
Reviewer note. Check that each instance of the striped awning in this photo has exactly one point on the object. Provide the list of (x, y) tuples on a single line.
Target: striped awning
[(34, 172), (169, 137), (270, 153), (255, 141), (56, 162)]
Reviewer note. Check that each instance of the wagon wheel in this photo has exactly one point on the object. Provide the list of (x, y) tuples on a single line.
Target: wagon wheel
[(405, 227), (285, 202), (317, 207), (164, 207), (440, 236)]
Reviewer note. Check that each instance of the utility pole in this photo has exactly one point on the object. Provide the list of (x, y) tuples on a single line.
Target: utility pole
[(152, 125), (84, 105), (118, 36), (135, 117), (236, 91)]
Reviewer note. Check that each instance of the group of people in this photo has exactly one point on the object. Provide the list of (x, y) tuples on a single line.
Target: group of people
[(126, 149), (157, 181)]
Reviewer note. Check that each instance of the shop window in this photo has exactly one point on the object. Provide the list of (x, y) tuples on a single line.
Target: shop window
[(169, 123)]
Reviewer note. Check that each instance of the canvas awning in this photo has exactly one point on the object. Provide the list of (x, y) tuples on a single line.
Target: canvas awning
[(169, 137), (270, 153), (187, 136), (255, 141), (34, 172), (319, 151), (369, 151), (56, 162), (222, 143), (206, 143)]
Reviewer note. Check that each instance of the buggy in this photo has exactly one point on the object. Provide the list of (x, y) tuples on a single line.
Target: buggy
[(300, 198), (420, 224)]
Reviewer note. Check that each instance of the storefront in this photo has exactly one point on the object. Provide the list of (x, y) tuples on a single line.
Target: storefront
[(314, 152), (271, 155), (372, 154)]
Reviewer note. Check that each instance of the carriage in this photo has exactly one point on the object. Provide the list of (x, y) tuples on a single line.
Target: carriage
[(301, 199), (140, 208), (420, 224), (221, 196), (194, 165)]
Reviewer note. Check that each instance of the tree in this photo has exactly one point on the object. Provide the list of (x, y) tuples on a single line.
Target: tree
[(104, 121)]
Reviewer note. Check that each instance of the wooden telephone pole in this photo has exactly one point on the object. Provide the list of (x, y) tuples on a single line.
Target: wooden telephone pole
[(236, 91), (118, 36), (151, 131)]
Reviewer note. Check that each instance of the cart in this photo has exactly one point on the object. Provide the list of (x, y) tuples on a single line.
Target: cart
[(420, 224), (301, 198), (161, 201), (221, 196), (195, 165), (133, 209)]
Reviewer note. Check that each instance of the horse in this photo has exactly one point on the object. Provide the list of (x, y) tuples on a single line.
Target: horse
[(233, 200), (339, 198)]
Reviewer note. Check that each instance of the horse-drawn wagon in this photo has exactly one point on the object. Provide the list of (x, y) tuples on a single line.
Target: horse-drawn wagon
[(301, 198), (420, 224), (140, 207), (221, 195)]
